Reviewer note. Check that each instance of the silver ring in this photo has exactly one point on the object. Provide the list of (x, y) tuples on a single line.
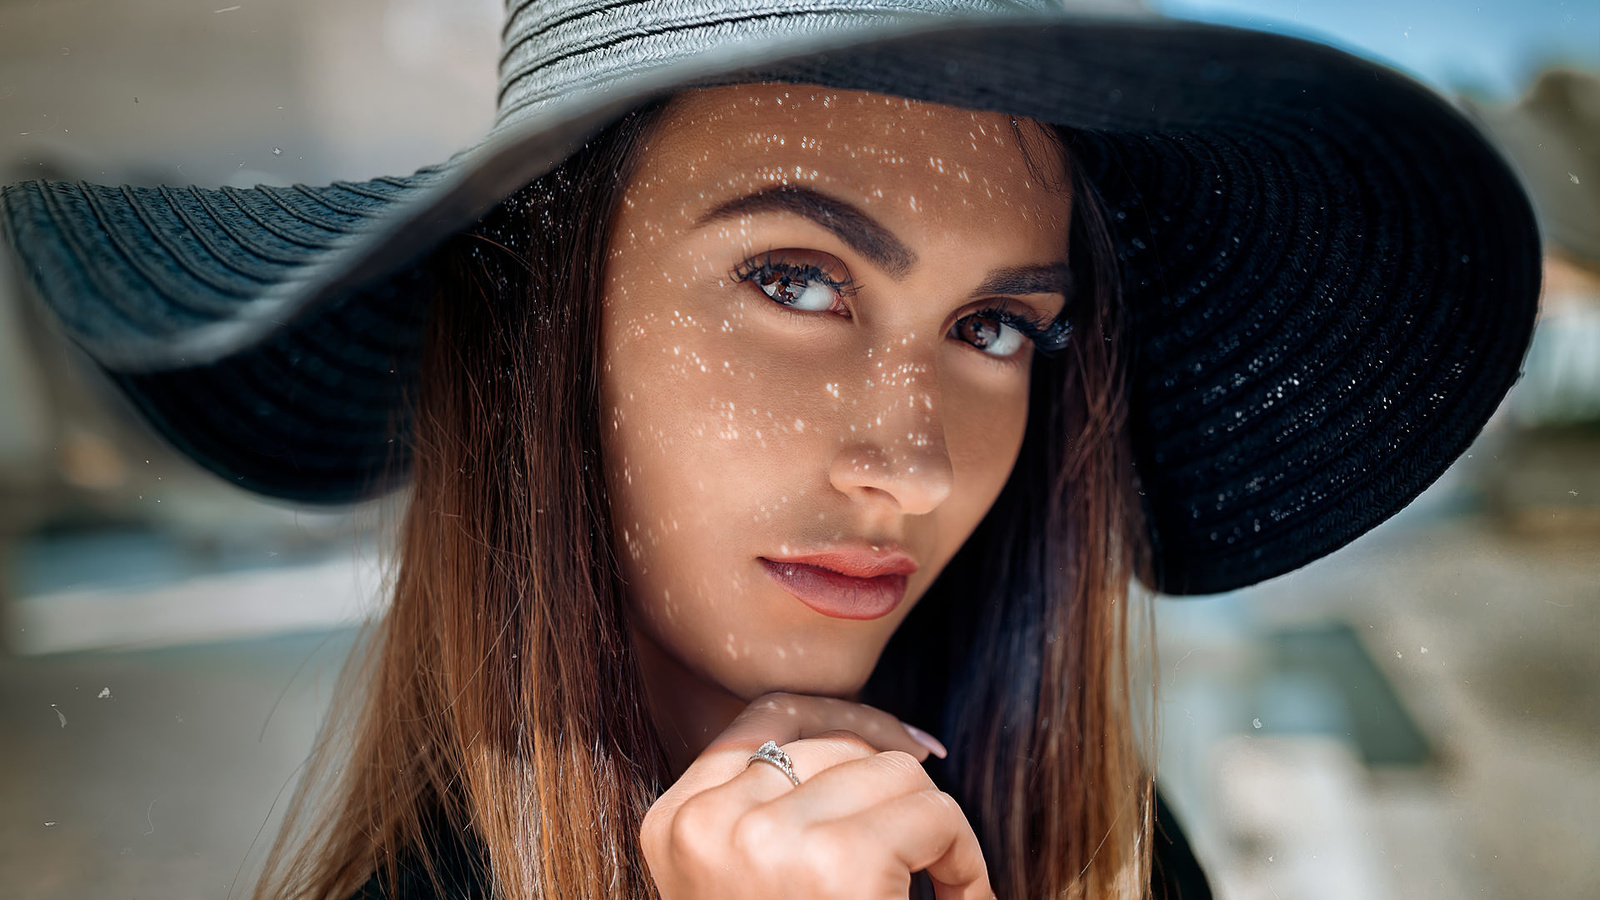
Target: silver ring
[(772, 754)]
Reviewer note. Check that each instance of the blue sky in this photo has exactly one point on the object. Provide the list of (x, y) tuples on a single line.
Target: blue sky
[(1492, 47)]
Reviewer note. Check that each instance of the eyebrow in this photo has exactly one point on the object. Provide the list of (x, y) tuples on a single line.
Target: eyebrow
[(847, 222), (861, 233), (1050, 278)]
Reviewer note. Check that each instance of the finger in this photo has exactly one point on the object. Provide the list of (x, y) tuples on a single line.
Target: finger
[(850, 786), (785, 718), (813, 755), (925, 830), (763, 782)]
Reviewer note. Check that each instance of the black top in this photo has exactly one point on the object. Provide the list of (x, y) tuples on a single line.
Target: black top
[(1175, 875)]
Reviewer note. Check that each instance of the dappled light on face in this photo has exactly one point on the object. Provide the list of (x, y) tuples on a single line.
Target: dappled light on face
[(803, 421)]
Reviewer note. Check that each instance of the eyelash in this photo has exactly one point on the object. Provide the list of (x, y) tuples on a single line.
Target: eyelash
[(756, 270), (1048, 336)]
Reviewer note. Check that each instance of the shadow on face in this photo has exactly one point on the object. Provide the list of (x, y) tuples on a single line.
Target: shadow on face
[(820, 310)]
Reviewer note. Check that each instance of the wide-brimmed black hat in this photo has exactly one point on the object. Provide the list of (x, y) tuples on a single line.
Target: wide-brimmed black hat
[(1332, 278)]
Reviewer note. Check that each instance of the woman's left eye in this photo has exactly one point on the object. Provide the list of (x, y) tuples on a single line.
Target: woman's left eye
[(988, 333), (797, 286)]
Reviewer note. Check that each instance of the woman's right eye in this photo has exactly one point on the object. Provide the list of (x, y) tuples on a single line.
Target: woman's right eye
[(803, 287)]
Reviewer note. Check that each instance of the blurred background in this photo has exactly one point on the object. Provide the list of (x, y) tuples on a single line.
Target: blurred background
[(1417, 716)]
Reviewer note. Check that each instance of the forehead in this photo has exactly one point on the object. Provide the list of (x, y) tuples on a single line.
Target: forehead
[(893, 156)]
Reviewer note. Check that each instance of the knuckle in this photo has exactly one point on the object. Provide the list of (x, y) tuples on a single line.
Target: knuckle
[(942, 802), (653, 830), (757, 832), (903, 765), (943, 807), (833, 857), (848, 742), (692, 829), (767, 844)]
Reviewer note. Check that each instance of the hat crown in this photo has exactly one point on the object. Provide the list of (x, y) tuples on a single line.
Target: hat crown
[(551, 48)]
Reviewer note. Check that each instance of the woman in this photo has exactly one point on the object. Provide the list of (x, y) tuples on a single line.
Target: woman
[(798, 405)]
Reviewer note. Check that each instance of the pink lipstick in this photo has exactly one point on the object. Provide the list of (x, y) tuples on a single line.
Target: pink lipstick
[(845, 584)]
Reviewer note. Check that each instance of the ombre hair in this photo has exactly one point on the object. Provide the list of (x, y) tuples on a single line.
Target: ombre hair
[(496, 731)]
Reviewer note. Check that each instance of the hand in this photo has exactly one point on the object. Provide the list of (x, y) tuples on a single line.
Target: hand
[(864, 817)]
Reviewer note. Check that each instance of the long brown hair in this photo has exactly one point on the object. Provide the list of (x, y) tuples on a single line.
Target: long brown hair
[(498, 724), (1020, 649)]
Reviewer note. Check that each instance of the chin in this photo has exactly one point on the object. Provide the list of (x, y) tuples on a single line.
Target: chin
[(825, 660), (799, 678)]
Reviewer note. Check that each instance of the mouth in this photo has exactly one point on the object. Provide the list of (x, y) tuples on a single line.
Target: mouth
[(844, 584)]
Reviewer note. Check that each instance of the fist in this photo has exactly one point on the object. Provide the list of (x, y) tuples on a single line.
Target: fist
[(864, 817)]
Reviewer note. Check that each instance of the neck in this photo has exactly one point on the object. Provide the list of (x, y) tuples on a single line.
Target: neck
[(689, 711)]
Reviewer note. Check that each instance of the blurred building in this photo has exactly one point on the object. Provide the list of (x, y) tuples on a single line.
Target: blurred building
[(133, 770), (1416, 715), (94, 509)]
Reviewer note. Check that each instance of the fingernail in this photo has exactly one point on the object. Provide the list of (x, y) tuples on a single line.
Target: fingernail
[(926, 740)]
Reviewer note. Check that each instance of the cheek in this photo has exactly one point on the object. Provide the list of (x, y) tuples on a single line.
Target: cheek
[(709, 445), (983, 430)]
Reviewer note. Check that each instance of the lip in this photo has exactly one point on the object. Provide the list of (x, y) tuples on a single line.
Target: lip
[(844, 584)]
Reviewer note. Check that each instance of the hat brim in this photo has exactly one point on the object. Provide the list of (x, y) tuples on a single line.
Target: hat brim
[(1332, 277)]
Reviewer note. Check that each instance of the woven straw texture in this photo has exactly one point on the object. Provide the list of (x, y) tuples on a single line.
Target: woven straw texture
[(1332, 277)]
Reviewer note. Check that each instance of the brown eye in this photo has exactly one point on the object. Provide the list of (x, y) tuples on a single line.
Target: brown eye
[(796, 290), (987, 334), (797, 286)]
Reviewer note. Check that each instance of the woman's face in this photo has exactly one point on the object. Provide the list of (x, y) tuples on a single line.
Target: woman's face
[(816, 346)]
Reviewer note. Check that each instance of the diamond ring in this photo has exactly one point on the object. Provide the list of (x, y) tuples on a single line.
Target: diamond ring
[(770, 753)]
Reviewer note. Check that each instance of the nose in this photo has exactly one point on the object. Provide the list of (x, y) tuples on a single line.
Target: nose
[(897, 454)]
